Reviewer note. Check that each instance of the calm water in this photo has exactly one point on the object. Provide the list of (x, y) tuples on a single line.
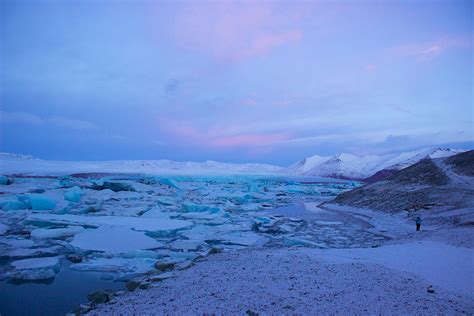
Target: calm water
[(69, 289)]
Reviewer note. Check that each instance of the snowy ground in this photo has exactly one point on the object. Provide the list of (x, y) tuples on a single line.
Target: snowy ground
[(391, 279), (290, 281)]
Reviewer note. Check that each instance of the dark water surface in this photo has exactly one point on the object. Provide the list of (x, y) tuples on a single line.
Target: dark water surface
[(69, 289)]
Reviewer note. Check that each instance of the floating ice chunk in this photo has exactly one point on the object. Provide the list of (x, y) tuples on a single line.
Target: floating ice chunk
[(166, 201), (171, 183), (205, 215), (115, 186), (36, 263), (185, 245), (127, 195), (33, 252), (136, 253), (123, 209), (139, 187), (73, 195), (17, 242), (15, 205), (32, 275), (45, 233), (293, 241), (3, 229), (156, 225), (113, 240), (41, 202), (253, 187), (251, 207), (262, 219), (158, 212), (328, 223), (4, 180), (116, 265), (98, 195), (242, 239), (191, 207)]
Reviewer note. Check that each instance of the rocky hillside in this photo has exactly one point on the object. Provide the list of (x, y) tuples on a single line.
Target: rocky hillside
[(439, 185)]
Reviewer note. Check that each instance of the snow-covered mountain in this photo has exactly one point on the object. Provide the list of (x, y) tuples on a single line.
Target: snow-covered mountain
[(21, 164), (342, 166), (348, 166)]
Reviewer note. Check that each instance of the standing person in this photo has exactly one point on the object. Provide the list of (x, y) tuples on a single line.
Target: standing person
[(418, 223)]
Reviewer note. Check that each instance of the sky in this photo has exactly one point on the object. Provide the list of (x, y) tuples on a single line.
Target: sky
[(234, 81)]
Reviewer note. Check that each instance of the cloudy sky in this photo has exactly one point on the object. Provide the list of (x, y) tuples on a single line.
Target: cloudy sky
[(234, 81)]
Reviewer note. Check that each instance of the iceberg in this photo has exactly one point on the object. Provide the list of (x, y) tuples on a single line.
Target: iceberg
[(15, 205), (185, 245), (165, 200), (45, 233), (122, 266), (33, 252), (3, 229), (4, 180), (113, 240), (249, 207), (252, 187), (41, 202), (293, 241), (73, 195), (36, 263), (171, 183), (218, 218), (156, 225), (242, 239), (191, 207), (158, 212), (33, 275), (115, 186)]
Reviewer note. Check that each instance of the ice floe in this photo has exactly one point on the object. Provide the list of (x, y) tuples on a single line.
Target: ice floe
[(137, 223), (46, 233), (113, 240)]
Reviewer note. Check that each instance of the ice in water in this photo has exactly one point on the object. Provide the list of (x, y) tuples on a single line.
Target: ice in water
[(113, 240)]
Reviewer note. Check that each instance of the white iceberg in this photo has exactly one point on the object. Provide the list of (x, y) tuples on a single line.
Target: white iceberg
[(113, 240), (122, 266), (41, 202), (47, 233), (171, 183), (3, 229), (156, 225), (36, 263), (73, 195), (185, 245), (15, 205), (3, 180), (191, 207)]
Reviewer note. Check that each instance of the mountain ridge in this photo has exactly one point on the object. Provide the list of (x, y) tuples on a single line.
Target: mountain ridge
[(346, 166), (349, 166)]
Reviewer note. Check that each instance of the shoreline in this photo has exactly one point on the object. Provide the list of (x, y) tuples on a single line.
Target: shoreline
[(397, 277), (300, 281)]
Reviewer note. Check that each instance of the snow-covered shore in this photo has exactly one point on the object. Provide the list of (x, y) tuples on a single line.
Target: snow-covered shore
[(304, 281), (391, 279)]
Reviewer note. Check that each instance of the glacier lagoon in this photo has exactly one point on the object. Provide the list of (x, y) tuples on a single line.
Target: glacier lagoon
[(113, 228)]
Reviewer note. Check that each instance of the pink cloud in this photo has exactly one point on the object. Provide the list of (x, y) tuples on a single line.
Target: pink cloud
[(249, 102), (183, 132), (370, 67), (236, 30), (248, 140), (418, 52), (428, 50)]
